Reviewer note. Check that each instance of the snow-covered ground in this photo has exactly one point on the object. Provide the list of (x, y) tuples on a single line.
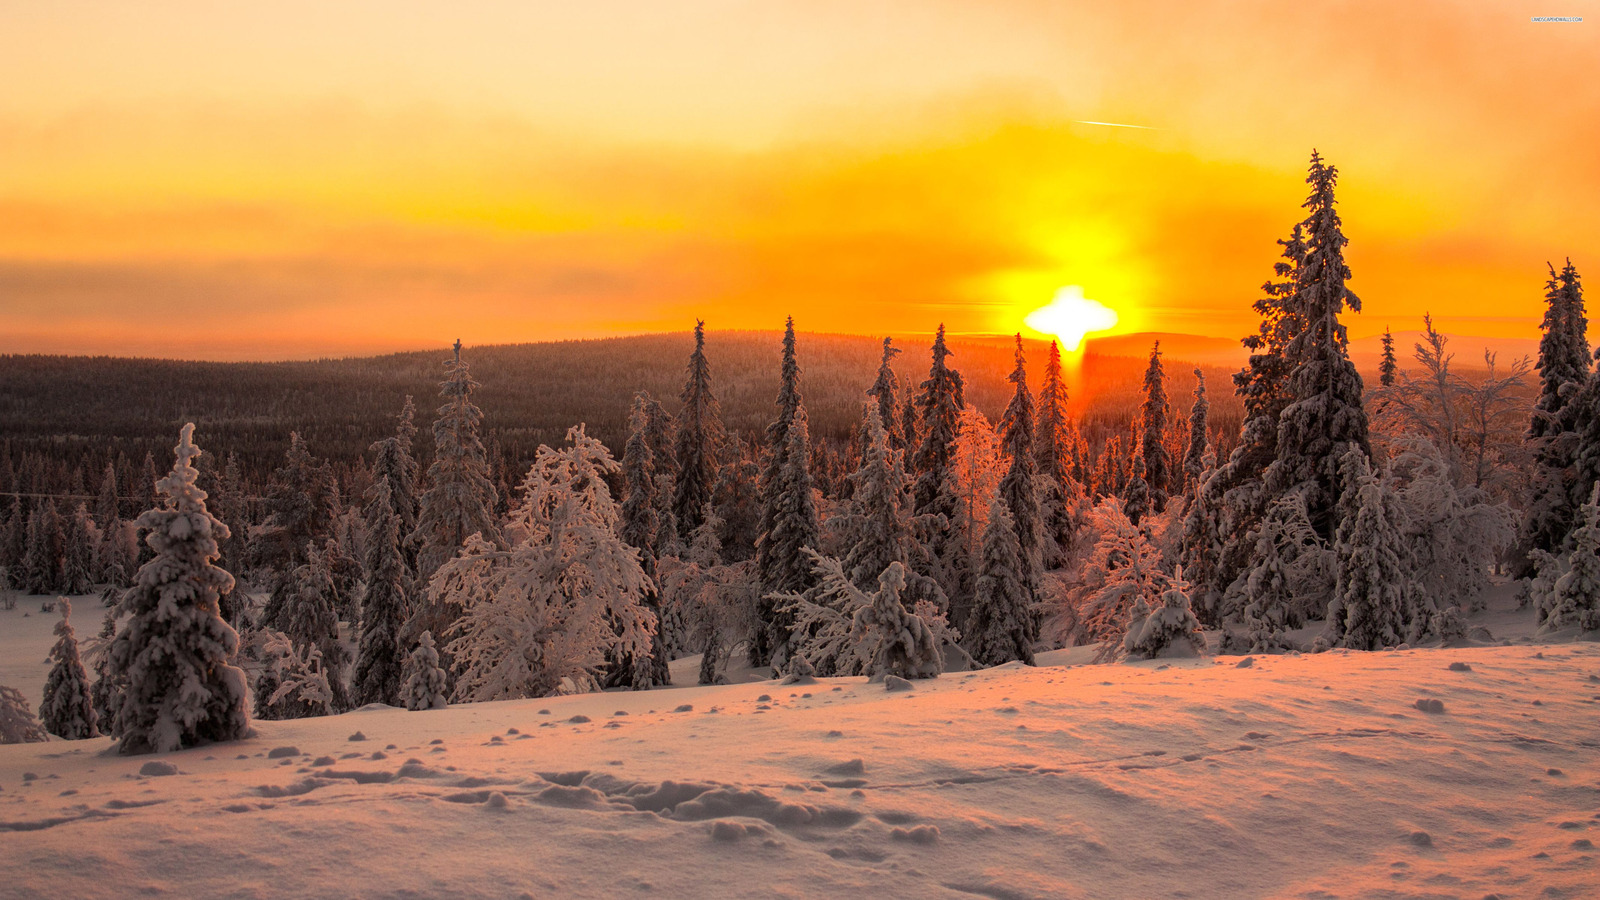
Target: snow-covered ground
[(1287, 776)]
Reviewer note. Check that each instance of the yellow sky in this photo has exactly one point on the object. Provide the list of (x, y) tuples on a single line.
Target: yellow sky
[(300, 179)]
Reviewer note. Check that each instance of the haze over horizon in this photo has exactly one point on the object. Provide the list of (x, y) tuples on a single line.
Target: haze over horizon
[(297, 181)]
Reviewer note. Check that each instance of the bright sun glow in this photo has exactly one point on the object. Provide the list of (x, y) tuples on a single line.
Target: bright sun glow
[(1070, 316)]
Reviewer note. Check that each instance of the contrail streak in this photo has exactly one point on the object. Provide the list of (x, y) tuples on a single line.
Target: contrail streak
[(1116, 125)]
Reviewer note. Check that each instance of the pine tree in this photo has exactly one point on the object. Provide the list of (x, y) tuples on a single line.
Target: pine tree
[(68, 709), (14, 541), (699, 439), (1575, 601), (1153, 427), (738, 503), (886, 391), (1325, 417), (1168, 629), (874, 525), (310, 620), (1565, 430), (640, 523), (1387, 367), (638, 528), (395, 467), (1272, 591), (542, 615), (174, 650), (788, 513), (105, 504), (1019, 486), (1371, 595), (424, 680), (106, 694), (1194, 458), (898, 642), (1062, 494), (1563, 350), (1217, 542), (42, 561), (1136, 496), (939, 409), (1003, 625), (460, 500), (384, 604), (302, 502), (17, 724)]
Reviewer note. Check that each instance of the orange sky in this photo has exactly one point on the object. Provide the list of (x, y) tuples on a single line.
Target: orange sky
[(300, 179)]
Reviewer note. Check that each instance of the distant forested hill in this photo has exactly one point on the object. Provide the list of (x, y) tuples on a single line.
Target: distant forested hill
[(76, 407)]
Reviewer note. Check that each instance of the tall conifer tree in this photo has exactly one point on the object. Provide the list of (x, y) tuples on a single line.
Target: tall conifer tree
[(1153, 413), (173, 654), (1019, 486), (1199, 439), (1325, 417), (788, 513), (460, 499), (699, 440)]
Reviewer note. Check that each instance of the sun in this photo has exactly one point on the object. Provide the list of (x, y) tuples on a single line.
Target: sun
[(1070, 316)]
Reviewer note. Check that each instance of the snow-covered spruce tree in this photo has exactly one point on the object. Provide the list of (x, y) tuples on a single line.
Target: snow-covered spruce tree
[(1372, 592), (738, 501), (886, 391), (1153, 429), (897, 642), (939, 406), (1168, 629), (77, 551), (174, 650), (1217, 543), (301, 504), (1061, 495), (424, 680), (1136, 496), (1575, 599), (1019, 488), (640, 522), (1287, 579), (68, 709), (1386, 365), (660, 435), (106, 693), (105, 502), (42, 561), (395, 467), (875, 527), (1325, 416), (638, 527), (1003, 625), (699, 439), (1563, 350), (384, 603), (1199, 439), (309, 620), (460, 499), (788, 513), (540, 617), (17, 724)]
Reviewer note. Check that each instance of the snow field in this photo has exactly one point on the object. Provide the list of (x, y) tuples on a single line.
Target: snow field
[(1292, 776)]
